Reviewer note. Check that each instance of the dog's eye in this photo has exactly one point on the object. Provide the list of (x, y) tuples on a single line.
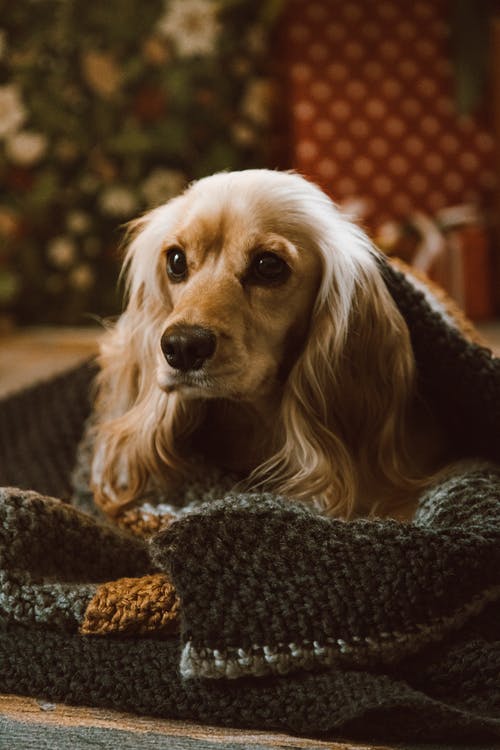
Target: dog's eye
[(176, 264), (268, 268)]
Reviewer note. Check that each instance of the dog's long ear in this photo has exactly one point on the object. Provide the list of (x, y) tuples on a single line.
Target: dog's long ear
[(346, 399), (135, 420)]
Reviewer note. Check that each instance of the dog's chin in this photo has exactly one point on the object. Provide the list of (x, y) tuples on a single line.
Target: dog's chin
[(202, 384), (193, 384), (188, 384)]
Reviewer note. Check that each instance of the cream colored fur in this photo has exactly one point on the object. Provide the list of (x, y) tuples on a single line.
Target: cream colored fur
[(311, 388)]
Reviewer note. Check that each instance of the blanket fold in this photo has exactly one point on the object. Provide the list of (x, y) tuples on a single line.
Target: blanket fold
[(269, 587), (53, 558), (142, 675)]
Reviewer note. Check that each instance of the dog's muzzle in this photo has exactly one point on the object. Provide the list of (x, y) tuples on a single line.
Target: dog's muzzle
[(188, 347)]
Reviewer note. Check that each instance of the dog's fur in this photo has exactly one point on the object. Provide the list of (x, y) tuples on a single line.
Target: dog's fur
[(311, 389)]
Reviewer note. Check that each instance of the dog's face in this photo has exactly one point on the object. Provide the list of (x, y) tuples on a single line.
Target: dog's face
[(240, 298)]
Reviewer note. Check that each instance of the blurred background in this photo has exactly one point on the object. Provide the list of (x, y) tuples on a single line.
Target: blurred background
[(109, 108)]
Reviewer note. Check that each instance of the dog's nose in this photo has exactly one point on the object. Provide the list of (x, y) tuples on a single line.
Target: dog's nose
[(187, 347)]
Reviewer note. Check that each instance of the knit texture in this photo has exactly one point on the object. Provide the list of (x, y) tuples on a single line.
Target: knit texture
[(459, 379), (53, 558), (395, 639), (133, 605), (40, 428), (370, 628), (307, 592)]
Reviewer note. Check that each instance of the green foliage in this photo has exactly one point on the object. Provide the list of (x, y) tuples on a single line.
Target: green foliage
[(108, 108)]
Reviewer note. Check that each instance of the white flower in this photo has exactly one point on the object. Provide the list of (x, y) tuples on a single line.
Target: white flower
[(25, 148), (78, 222), (257, 100), (163, 184), (118, 201), (191, 25), (62, 252), (12, 110), (82, 277)]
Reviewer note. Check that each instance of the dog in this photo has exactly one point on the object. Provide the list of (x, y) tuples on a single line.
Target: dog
[(258, 332)]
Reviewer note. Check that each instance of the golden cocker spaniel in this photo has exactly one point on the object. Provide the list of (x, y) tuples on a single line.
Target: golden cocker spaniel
[(258, 331)]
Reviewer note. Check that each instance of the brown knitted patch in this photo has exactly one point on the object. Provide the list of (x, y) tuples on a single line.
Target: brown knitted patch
[(463, 323), (133, 606), (141, 523)]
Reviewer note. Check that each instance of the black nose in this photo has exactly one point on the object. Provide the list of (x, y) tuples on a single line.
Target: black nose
[(187, 347)]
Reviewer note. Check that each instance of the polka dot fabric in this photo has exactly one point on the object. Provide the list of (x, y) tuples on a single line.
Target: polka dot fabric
[(373, 113)]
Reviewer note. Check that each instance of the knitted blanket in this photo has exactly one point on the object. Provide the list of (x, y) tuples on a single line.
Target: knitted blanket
[(250, 610)]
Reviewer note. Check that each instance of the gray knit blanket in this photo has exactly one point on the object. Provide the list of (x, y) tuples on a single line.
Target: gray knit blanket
[(249, 610)]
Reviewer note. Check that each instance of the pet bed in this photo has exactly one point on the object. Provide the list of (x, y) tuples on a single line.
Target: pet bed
[(251, 610)]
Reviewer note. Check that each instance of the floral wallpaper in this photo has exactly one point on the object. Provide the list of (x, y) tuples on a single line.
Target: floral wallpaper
[(107, 109)]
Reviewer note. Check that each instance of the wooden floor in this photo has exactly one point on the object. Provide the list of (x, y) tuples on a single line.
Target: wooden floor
[(32, 354), (30, 724)]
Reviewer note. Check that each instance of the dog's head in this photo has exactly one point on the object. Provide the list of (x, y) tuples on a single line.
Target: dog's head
[(253, 286), (237, 285)]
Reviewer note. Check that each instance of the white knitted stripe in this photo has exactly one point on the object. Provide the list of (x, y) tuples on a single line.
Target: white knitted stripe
[(258, 661)]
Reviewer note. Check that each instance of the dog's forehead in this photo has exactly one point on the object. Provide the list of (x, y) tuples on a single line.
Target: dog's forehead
[(212, 225)]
